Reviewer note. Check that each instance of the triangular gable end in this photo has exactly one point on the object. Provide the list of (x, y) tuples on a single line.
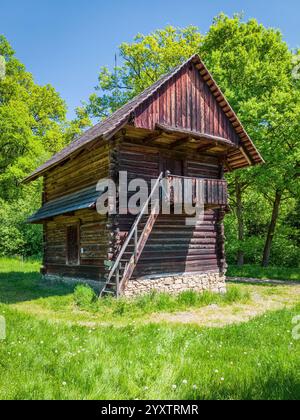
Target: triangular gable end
[(188, 96), (186, 102)]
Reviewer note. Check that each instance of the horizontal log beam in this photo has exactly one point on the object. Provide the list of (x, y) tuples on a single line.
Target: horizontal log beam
[(195, 135)]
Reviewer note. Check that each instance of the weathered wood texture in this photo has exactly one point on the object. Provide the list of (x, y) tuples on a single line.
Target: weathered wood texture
[(83, 171), (94, 238), (187, 102), (173, 247)]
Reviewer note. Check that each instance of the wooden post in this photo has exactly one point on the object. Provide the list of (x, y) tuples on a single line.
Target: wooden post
[(135, 244)]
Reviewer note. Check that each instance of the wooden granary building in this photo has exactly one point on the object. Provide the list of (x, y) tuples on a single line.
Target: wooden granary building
[(182, 126)]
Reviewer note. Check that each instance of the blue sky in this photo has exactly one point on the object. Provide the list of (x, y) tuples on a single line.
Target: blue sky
[(65, 42)]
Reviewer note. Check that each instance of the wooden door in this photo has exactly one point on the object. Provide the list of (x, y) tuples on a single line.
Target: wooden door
[(73, 245), (174, 166)]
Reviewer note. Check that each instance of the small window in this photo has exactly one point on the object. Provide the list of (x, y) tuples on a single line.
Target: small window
[(73, 245)]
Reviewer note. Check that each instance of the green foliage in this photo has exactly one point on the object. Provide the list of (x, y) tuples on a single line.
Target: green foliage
[(235, 294), (84, 296), (17, 237), (144, 61), (32, 128)]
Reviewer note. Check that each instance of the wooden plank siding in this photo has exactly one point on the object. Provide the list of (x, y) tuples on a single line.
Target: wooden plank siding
[(186, 102)]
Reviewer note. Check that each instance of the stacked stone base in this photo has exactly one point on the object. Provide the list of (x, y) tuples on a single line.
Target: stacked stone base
[(175, 284)]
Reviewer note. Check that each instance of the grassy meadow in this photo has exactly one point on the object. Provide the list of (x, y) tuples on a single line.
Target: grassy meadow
[(63, 344)]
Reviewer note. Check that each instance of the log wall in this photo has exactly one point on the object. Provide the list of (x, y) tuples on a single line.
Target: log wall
[(83, 171), (173, 247)]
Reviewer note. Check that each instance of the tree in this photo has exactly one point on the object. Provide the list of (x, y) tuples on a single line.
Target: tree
[(279, 179), (31, 117), (249, 62), (143, 62), (32, 127)]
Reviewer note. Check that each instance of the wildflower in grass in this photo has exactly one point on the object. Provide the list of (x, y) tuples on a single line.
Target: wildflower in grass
[(174, 387), (184, 382), (146, 388), (64, 384), (216, 371), (222, 379), (195, 387)]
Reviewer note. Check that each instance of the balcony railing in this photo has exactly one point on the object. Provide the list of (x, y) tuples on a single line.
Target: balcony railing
[(210, 192)]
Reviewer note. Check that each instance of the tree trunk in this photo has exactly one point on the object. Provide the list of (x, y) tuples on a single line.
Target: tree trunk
[(240, 220), (271, 230)]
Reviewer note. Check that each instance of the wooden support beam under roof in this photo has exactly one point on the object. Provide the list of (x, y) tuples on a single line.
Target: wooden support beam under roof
[(197, 135), (205, 147), (180, 142), (152, 137), (245, 154)]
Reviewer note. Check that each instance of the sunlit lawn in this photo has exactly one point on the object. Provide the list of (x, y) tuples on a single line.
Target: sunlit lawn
[(258, 272), (51, 359)]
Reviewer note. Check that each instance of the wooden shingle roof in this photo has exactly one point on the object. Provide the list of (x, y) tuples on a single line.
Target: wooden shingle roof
[(80, 200), (107, 128)]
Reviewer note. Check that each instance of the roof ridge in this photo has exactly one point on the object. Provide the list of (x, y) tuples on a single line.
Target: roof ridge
[(109, 126)]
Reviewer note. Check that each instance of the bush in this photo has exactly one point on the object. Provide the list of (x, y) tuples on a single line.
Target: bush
[(16, 236), (188, 298), (84, 296), (236, 294)]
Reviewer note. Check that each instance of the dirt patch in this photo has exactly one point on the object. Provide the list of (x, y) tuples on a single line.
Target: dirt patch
[(264, 298), (262, 301), (249, 280)]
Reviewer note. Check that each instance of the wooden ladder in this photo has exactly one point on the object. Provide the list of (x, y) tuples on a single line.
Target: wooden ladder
[(123, 268)]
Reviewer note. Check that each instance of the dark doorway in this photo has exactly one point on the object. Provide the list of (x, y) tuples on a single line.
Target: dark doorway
[(174, 166)]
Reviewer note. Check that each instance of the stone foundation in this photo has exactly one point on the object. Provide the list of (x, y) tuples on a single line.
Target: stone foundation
[(173, 284), (213, 282)]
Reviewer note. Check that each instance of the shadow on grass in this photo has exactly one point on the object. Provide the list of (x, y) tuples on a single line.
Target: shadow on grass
[(21, 287)]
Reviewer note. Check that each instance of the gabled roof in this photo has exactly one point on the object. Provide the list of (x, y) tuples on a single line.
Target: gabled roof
[(118, 119)]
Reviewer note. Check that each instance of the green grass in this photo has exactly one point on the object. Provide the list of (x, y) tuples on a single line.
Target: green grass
[(17, 287), (257, 360), (258, 272), (112, 309), (46, 359)]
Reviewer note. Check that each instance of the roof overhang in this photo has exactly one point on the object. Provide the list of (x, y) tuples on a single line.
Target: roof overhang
[(84, 199)]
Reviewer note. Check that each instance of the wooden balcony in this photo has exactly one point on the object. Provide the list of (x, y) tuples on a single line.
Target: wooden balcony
[(210, 192)]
